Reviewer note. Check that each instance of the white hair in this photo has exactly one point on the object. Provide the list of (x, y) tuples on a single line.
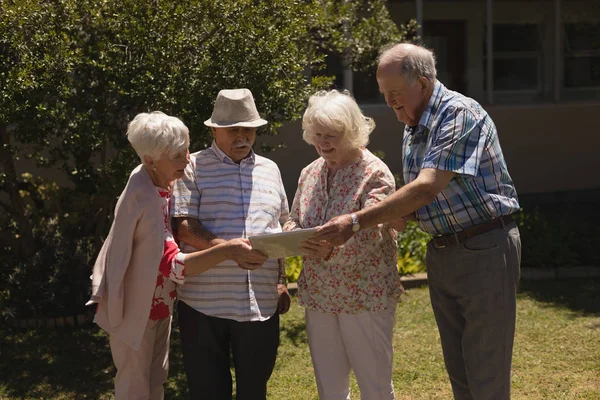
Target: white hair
[(154, 134), (414, 61), (339, 112)]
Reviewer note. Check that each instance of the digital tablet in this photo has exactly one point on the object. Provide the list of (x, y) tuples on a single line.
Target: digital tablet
[(281, 245)]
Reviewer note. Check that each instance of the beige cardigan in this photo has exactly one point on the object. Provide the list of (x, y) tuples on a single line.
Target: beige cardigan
[(124, 277)]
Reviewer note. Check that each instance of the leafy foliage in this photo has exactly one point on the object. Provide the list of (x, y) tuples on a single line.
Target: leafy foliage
[(559, 237), (294, 268), (74, 72), (412, 248)]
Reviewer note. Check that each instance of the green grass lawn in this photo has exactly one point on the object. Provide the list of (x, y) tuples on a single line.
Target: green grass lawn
[(556, 356)]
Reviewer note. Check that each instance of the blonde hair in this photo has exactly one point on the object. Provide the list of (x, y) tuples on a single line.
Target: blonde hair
[(154, 134), (337, 111)]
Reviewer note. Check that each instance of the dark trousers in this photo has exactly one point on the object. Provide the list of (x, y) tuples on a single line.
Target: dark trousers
[(206, 343), (473, 294)]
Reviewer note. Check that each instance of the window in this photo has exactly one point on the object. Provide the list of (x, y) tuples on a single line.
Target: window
[(517, 58), (582, 55)]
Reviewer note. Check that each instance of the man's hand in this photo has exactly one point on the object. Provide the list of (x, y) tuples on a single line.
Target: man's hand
[(317, 248), (243, 254), (283, 304), (337, 231)]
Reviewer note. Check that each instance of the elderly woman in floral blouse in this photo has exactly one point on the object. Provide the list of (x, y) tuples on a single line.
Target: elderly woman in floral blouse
[(349, 292), (139, 265)]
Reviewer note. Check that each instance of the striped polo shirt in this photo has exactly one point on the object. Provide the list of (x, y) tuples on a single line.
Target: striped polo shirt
[(232, 200), (456, 134)]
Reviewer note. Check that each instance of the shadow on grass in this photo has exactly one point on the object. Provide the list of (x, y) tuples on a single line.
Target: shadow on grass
[(295, 332), (49, 363), (581, 295), (70, 363), (176, 387)]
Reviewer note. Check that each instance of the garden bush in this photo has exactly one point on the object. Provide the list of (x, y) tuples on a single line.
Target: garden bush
[(559, 236), (74, 72), (412, 247)]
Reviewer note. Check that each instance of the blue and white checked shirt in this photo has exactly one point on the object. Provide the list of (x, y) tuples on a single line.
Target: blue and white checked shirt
[(456, 134), (232, 200)]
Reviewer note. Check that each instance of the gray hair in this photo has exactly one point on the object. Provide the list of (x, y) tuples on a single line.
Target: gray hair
[(337, 111), (415, 61), (154, 134)]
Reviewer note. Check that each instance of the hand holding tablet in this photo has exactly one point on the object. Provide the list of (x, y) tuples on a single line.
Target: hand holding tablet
[(283, 244)]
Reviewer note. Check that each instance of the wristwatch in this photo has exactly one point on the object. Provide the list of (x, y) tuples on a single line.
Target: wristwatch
[(355, 224)]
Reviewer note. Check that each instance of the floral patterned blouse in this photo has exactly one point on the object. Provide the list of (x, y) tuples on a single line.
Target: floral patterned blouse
[(361, 275), (171, 270)]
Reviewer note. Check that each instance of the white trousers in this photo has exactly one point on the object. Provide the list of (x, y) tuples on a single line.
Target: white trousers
[(361, 342), (142, 373)]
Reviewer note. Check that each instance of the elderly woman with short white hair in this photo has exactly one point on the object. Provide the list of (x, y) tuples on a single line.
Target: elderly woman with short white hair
[(349, 292), (139, 265)]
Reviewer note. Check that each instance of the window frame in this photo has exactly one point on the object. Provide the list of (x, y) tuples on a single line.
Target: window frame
[(515, 55), (566, 53)]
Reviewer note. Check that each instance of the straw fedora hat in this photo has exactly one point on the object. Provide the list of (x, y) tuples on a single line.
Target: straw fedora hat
[(235, 107)]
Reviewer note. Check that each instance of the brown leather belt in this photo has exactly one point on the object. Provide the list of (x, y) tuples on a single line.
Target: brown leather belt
[(459, 237)]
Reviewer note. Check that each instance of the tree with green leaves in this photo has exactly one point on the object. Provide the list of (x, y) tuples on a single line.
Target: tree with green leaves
[(74, 72)]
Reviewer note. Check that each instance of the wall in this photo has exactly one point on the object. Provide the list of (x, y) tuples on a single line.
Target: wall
[(548, 148)]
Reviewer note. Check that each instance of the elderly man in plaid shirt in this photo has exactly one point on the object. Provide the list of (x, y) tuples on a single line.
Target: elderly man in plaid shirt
[(459, 190)]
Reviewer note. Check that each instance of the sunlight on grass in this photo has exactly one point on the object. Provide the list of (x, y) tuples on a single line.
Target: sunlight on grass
[(557, 353), (559, 349)]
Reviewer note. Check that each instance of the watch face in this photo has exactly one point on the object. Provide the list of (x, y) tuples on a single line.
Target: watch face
[(355, 224)]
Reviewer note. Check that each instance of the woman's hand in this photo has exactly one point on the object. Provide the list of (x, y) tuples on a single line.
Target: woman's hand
[(240, 250), (317, 248)]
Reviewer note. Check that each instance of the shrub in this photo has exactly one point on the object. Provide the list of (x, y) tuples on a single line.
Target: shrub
[(412, 247), (53, 280), (294, 268), (555, 236), (74, 72)]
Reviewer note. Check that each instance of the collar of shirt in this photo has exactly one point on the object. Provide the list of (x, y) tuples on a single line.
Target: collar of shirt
[(163, 192), (433, 105), (226, 159)]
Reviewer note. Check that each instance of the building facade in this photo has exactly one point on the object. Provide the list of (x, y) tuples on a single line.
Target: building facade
[(541, 85)]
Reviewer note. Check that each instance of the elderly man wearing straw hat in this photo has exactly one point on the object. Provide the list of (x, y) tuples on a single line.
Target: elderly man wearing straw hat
[(227, 192)]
